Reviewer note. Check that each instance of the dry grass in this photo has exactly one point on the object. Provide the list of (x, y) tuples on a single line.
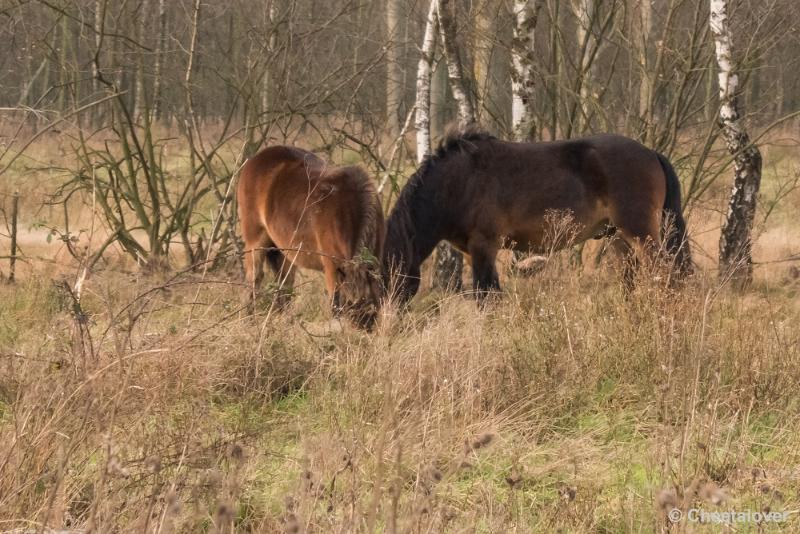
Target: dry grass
[(564, 405), (158, 406)]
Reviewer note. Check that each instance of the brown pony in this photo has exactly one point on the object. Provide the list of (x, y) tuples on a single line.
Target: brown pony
[(295, 210), (480, 194)]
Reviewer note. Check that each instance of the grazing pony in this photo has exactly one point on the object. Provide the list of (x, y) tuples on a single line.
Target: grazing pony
[(481, 194), (295, 210)]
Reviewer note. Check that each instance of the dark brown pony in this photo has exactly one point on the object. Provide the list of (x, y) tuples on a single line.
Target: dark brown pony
[(295, 210), (481, 194)]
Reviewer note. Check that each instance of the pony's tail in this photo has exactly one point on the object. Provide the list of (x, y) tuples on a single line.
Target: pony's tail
[(674, 229)]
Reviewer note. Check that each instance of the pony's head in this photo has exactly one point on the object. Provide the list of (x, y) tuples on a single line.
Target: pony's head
[(360, 291)]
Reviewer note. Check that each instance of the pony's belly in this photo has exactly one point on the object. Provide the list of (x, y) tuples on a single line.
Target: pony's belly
[(557, 237), (309, 260), (301, 255)]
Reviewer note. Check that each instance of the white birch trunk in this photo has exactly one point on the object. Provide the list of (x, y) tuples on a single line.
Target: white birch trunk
[(735, 241), (422, 118), (526, 13), (455, 69)]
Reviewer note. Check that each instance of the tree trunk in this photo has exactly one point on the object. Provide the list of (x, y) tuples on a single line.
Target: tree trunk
[(526, 13), (642, 29), (455, 69), (735, 242), (449, 262), (140, 103), (100, 7), (272, 17), (159, 64), (482, 45), (658, 77), (438, 99), (779, 96), (710, 109), (394, 70), (555, 68), (63, 66), (99, 14), (422, 118), (586, 39)]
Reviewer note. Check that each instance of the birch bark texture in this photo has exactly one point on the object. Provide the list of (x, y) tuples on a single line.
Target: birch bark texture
[(526, 14), (422, 117), (735, 243)]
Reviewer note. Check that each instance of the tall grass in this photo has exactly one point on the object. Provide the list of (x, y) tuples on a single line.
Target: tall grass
[(157, 405)]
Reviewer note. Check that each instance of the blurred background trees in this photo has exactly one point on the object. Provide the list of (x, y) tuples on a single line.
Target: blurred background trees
[(124, 81)]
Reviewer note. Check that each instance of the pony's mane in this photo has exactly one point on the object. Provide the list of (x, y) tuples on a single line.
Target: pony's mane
[(371, 215), (456, 139), (461, 138), (400, 224)]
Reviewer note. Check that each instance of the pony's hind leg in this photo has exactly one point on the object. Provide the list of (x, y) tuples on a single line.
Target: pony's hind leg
[(283, 269), (636, 244), (483, 253), (627, 259)]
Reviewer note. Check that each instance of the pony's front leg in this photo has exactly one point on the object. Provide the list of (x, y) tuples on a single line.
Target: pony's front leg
[(332, 285), (283, 269), (484, 272)]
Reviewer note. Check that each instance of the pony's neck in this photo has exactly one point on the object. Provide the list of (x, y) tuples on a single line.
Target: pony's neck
[(412, 232)]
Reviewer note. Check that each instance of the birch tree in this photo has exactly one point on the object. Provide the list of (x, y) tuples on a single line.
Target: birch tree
[(526, 13), (455, 69), (422, 117), (735, 241)]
